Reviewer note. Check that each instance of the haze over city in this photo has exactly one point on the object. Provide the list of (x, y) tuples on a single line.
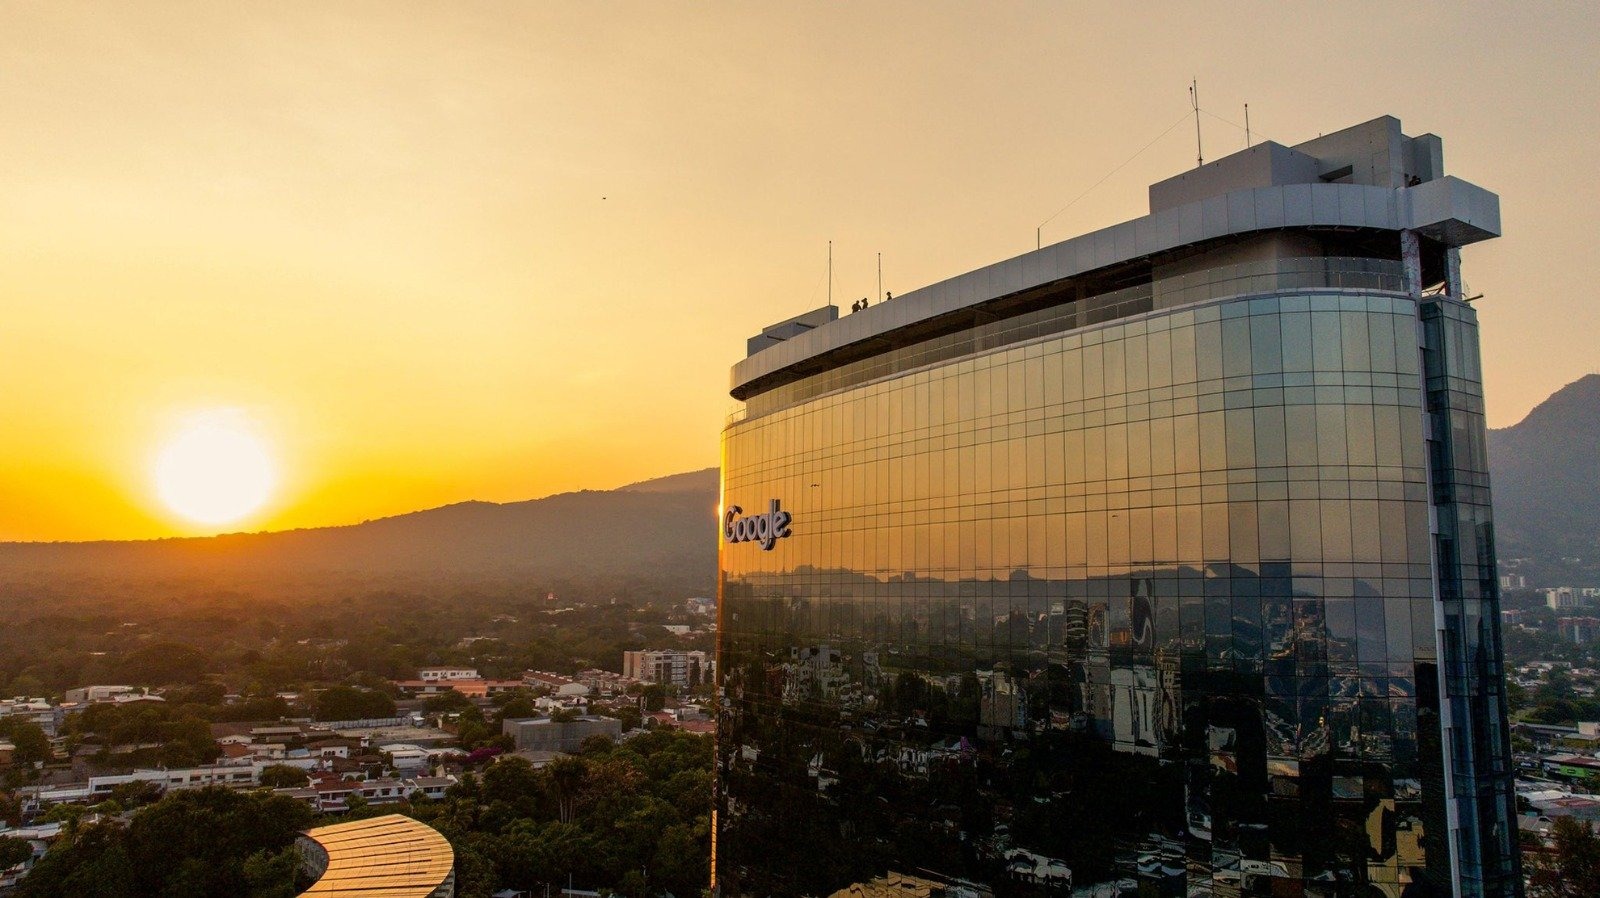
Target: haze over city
[(414, 255)]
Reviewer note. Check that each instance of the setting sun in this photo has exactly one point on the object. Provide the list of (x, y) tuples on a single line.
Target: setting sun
[(214, 469)]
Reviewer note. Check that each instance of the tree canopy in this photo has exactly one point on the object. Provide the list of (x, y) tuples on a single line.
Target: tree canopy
[(350, 703), (1573, 869), (191, 843)]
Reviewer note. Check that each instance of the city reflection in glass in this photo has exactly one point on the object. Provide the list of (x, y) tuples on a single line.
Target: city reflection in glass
[(1145, 608)]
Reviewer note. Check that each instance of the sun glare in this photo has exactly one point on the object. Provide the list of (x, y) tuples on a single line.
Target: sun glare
[(214, 469)]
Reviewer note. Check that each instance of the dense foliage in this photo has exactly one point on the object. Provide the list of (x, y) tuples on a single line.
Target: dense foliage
[(350, 703), (269, 638), (1572, 870), (633, 817), (204, 842), (616, 817), (144, 733)]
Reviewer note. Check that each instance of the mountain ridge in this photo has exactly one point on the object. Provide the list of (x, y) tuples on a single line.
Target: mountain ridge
[(1544, 472), (661, 527)]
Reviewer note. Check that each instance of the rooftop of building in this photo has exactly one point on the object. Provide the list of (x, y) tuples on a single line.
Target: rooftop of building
[(1355, 189), (893, 885), (390, 856)]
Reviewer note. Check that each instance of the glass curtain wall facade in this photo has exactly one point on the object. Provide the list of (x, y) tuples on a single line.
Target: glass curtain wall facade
[(1147, 605)]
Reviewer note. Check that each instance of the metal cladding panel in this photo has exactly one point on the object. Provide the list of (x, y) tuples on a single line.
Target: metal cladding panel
[(1381, 205), (1352, 208), (1447, 209), (1241, 211), (1190, 229), (1214, 217), (1453, 210), (1144, 236), (1269, 207), (1325, 203), (1125, 240), (391, 855), (1297, 208)]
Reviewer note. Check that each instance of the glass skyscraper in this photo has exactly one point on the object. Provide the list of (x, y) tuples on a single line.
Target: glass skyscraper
[(1156, 562)]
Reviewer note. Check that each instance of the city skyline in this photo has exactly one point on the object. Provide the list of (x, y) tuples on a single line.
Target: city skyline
[(489, 254)]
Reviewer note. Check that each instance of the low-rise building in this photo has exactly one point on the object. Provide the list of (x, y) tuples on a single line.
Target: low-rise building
[(1572, 768), (37, 711), (1578, 630), (556, 683), (668, 667), (1561, 598), (332, 794), (472, 688), (549, 704), (92, 694), (403, 756), (392, 856), (604, 683), (334, 747), (430, 786), (547, 734), (448, 673), (234, 775)]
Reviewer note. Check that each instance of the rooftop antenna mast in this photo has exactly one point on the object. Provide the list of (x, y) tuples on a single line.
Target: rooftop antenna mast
[(1247, 126), (880, 277), (1194, 101), (830, 272)]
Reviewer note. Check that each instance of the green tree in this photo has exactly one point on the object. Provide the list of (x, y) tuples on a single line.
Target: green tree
[(283, 776), (513, 779), (28, 685), (1516, 696), (629, 716), (473, 729), (567, 777), (272, 874), (447, 702), (10, 809), (681, 858), (135, 794), (94, 864), (1572, 870), (164, 663), (655, 697), (350, 703), (263, 708), (1556, 687), (67, 815), (518, 706), (475, 875), (33, 746), (13, 851)]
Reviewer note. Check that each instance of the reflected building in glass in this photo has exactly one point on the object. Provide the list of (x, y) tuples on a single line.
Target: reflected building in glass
[(1155, 562)]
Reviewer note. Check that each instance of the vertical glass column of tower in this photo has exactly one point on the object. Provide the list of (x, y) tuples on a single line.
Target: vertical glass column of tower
[(1155, 562)]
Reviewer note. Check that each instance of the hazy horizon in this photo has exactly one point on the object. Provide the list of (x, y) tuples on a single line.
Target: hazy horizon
[(494, 252)]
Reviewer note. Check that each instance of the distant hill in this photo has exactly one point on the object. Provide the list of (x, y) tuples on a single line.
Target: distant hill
[(658, 528), (1545, 473), (706, 480)]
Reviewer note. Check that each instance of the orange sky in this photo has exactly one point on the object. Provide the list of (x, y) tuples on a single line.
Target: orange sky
[(468, 251)]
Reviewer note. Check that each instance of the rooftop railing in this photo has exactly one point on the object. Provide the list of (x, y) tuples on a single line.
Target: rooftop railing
[(1209, 285)]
